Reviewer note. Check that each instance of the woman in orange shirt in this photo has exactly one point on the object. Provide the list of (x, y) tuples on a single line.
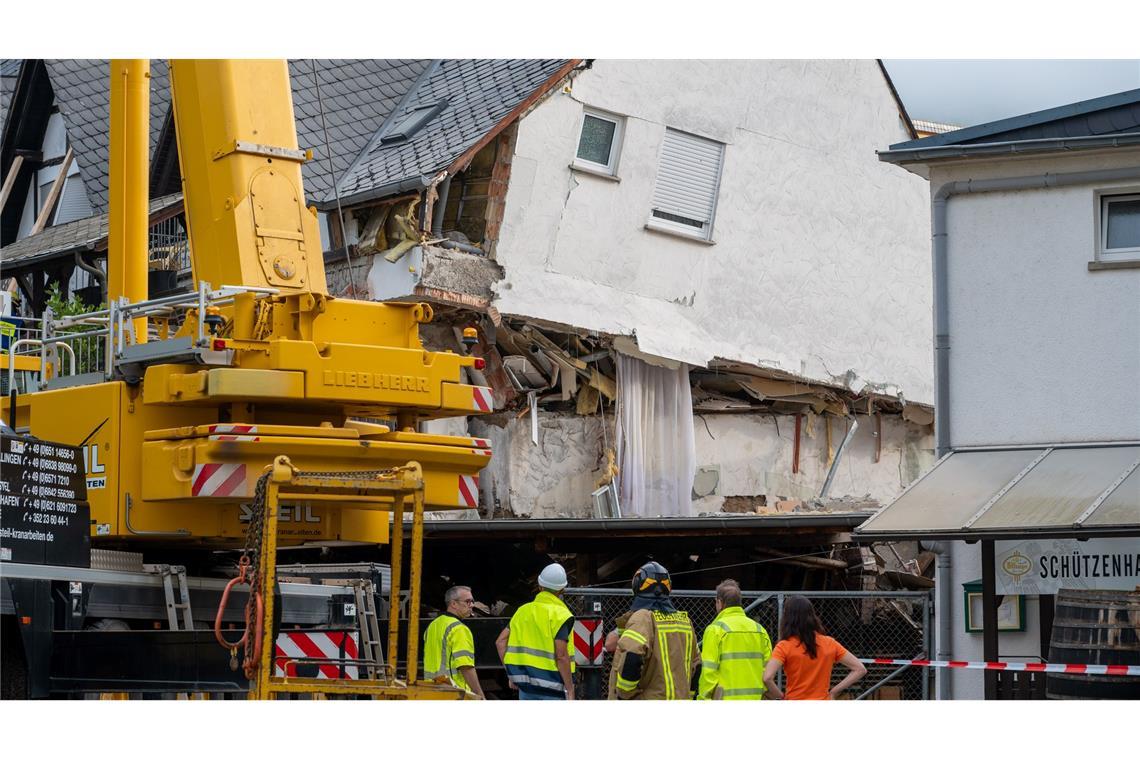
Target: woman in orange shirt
[(807, 655)]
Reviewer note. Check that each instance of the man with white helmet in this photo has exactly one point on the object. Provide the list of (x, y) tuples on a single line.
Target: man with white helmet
[(537, 648)]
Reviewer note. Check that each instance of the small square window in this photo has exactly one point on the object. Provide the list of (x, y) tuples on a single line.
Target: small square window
[(599, 142), (1119, 227)]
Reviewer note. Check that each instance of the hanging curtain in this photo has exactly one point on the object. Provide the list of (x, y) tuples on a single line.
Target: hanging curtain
[(655, 445)]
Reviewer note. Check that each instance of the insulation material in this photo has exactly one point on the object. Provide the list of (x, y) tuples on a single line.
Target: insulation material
[(654, 439)]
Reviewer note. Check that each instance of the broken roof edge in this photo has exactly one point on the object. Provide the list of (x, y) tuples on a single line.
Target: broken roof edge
[(627, 343), (455, 165), (539, 93)]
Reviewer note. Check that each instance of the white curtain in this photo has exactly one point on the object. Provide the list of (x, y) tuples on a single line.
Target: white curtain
[(655, 445)]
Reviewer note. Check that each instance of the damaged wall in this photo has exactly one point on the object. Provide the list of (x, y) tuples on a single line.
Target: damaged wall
[(551, 479), (755, 459), (555, 478), (820, 263)]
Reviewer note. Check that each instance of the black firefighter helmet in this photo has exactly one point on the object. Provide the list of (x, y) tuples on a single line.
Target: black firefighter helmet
[(652, 579)]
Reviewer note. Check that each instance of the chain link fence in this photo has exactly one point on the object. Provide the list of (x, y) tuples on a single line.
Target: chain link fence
[(885, 624)]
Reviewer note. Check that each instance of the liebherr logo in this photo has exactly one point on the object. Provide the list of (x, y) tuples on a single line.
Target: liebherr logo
[(377, 380)]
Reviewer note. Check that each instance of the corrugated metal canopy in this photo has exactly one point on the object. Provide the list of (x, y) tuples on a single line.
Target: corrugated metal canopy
[(1061, 491)]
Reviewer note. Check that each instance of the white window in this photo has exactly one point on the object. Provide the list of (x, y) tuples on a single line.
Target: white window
[(599, 142), (1119, 227), (688, 178)]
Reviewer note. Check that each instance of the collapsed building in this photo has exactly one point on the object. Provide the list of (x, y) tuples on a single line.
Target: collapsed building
[(703, 305)]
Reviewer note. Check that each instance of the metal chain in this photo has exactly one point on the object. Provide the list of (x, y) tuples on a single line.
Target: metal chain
[(251, 553)]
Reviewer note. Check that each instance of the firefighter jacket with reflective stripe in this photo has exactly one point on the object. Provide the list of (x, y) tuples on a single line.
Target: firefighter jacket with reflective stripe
[(665, 645), (448, 646), (734, 651), (529, 658)]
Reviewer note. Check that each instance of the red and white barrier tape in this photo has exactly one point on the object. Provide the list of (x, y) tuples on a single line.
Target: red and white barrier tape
[(1032, 667)]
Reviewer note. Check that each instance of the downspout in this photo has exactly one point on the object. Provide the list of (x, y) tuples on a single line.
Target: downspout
[(940, 244), (440, 208), (945, 598)]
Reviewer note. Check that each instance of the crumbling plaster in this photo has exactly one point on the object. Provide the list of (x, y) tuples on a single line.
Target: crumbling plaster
[(821, 262), (754, 453), (551, 479), (555, 478)]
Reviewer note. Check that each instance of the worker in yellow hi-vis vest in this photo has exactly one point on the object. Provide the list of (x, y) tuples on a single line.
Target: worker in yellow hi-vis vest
[(449, 647), (734, 650), (537, 648), (656, 653)]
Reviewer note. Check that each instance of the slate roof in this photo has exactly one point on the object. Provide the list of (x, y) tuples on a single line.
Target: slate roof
[(478, 93), (88, 234), (82, 92), (1108, 115), (359, 97), (9, 71)]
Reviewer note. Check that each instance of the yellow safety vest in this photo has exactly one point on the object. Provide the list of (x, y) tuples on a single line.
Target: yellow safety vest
[(529, 659), (448, 646), (734, 652)]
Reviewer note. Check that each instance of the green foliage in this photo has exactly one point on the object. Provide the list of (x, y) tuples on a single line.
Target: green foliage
[(70, 307)]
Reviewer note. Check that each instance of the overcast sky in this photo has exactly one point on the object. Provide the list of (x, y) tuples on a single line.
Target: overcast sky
[(967, 92)]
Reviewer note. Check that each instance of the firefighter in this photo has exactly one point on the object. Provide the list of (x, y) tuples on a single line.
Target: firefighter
[(734, 650), (537, 647), (656, 650), (449, 647)]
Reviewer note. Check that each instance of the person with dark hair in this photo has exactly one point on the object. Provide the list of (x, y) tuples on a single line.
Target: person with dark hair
[(656, 653), (807, 654), (734, 650)]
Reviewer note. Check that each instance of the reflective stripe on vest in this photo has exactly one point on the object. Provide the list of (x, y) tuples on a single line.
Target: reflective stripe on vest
[(744, 650), (529, 658), (437, 646)]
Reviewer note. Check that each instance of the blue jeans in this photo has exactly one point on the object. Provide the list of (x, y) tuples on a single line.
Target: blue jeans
[(540, 695)]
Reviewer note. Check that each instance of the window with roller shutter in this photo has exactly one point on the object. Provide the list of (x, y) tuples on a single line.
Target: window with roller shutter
[(688, 178)]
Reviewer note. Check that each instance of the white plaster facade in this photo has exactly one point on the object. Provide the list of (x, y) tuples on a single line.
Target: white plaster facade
[(820, 261), (1042, 349)]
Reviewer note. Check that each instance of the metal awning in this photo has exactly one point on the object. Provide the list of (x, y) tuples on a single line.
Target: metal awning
[(1071, 491)]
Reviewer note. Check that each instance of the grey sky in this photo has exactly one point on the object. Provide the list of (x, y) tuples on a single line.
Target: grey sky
[(967, 92)]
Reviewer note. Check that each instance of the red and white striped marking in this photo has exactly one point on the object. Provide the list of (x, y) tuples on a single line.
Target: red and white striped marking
[(468, 491), (589, 643), (298, 645), (219, 480), (233, 433), (1032, 667), (482, 400), (482, 446), (233, 429)]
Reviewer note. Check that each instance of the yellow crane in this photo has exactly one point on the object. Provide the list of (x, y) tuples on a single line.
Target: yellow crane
[(195, 397)]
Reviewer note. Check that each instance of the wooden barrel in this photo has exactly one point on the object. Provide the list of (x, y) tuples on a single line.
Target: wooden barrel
[(1095, 628)]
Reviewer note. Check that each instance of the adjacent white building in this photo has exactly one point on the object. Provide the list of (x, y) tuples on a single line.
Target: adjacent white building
[(1036, 224)]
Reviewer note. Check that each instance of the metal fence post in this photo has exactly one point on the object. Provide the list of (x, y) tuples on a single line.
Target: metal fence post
[(926, 645), (779, 624)]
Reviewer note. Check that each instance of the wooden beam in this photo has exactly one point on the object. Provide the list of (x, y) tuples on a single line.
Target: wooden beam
[(53, 194), (10, 181)]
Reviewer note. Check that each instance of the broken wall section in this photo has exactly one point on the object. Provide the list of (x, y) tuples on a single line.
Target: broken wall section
[(751, 458)]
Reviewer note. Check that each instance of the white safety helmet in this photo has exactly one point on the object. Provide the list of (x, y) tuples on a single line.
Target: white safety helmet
[(553, 577)]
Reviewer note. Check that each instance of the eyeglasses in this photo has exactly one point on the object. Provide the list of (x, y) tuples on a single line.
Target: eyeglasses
[(466, 601)]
